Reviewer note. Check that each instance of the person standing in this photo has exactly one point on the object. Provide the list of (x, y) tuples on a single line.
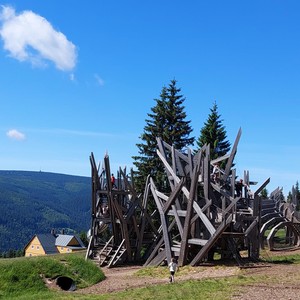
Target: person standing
[(173, 269), (215, 175), (239, 188), (113, 180)]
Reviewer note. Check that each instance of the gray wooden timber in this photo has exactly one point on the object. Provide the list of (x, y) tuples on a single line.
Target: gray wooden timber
[(232, 156), (202, 222), (187, 223), (200, 215), (117, 207)]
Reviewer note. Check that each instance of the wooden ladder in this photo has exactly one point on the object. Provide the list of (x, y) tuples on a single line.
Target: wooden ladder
[(105, 252), (117, 255)]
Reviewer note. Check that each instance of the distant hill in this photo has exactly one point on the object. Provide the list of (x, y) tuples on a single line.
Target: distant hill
[(36, 202)]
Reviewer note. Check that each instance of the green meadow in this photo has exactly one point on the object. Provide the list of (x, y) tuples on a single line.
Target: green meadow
[(24, 278)]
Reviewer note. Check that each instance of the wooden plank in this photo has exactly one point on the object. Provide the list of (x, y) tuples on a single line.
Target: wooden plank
[(124, 229), (232, 182), (179, 212), (158, 246), (154, 252), (219, 230), (132, 208), (94, 183), (143, 219), (178, 221), (160, 257), (112, 260), (219, 159), (163, 221), (202, 216), (232, 155), (199, 242), (233, 247), (206, 173), (128, 186), (187, 222), (204, 250), (204, 208), (169, 147), (251, 227), (161, 149), (262, 187), (173, 195), (190, 164)]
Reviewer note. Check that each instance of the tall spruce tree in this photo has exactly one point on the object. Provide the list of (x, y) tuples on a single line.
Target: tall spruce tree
[(297, 195), (264, 193), (167, 120), (213, 132), (294, 196)]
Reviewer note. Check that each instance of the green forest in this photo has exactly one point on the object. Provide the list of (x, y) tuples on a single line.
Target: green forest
[(36, 202)]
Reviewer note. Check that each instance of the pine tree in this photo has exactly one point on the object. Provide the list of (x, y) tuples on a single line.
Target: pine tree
[(214, 133), (297, 196), (290, 197), (264, 193), (294, 196), (167, 120)]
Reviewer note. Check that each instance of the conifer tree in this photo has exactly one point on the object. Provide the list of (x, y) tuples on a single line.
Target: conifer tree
[(264, 193), (294, 196), (213, 132), (166, 120), (297, 196), (289, 197)]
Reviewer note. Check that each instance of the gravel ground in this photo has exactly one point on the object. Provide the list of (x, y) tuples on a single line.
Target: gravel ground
[(284, 283), (123, 278), (284, 280)]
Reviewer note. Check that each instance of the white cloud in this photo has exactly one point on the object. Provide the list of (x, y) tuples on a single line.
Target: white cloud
[(30, 37), (15, 135)]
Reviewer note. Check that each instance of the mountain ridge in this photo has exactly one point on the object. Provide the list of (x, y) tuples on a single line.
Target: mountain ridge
[(36, 201)]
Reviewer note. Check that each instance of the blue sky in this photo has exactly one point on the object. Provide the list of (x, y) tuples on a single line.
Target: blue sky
[(80, 77)]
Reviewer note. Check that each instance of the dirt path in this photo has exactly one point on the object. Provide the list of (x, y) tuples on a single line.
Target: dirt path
[(285, 282), (122, 278)]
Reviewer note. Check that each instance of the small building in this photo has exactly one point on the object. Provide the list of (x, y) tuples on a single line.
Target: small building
[(45, 244)]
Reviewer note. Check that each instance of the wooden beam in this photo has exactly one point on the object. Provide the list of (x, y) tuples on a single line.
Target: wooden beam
[(202, 216), (178, 221), (163, 221), (232, 155), (174, 195), (187, 222), (204, 250)]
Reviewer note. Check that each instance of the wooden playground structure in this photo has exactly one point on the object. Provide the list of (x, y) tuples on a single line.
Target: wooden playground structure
[(207, 214)]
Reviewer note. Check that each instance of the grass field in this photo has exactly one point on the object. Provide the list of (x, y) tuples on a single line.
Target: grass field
[(24, 278)]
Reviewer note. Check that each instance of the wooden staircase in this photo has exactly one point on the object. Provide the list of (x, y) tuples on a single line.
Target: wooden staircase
[(111, 255)]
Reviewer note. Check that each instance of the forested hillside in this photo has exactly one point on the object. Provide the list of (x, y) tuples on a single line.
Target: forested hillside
[(36, 202)]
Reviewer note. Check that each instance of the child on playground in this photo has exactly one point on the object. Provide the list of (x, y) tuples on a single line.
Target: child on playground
[(113, 180), (173, 269)]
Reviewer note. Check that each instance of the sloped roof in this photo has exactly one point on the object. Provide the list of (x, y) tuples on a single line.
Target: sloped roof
[(63, 240), (48, 243)]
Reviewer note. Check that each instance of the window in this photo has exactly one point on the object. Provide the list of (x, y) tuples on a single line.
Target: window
[(32, 247)]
